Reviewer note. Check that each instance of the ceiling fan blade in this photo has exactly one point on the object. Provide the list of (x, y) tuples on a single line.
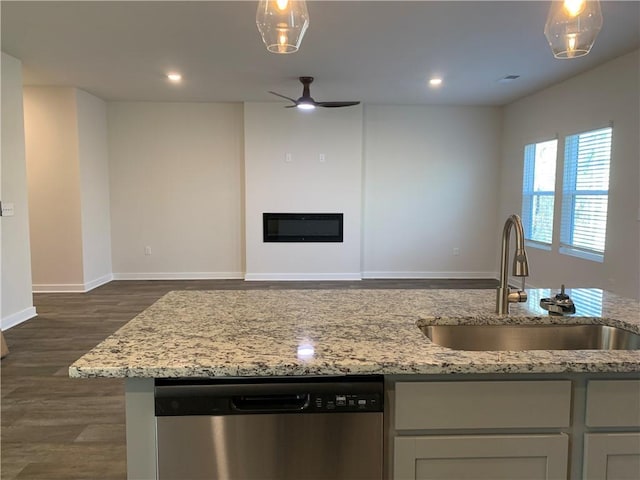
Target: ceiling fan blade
[(283, 96), (307, 101), (336, 104)]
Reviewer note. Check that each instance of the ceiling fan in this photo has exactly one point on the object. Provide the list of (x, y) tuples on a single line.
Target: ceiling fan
[(306, 101)]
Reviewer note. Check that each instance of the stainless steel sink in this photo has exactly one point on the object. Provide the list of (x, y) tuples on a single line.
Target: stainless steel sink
[(532, 337)]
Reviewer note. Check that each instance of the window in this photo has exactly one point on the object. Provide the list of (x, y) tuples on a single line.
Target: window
[(585, 194), (538, 190)]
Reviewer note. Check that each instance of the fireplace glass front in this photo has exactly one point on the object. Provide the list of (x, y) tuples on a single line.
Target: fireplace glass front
[(302, 227)]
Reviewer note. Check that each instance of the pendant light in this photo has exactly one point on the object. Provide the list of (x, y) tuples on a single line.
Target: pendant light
[(572, 27), (282, 24)]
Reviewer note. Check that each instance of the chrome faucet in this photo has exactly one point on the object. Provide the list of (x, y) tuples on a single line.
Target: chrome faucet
[(520, 266)]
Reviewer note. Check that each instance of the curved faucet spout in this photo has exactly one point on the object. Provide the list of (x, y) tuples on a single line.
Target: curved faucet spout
[(520, 265)]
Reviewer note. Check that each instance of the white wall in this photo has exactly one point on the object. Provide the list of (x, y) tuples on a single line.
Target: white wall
[(305, 184), (176, 187), (53, 173), (414, 182), (17, 301), (67, 166), (609, 93), (94, 189), (430, 186)]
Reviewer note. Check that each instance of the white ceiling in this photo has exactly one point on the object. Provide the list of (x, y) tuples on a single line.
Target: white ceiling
[(374, 52)]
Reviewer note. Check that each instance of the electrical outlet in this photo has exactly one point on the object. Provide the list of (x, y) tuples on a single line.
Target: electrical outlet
[(322, 158), (456, 251), (7, 209), (147, 250)]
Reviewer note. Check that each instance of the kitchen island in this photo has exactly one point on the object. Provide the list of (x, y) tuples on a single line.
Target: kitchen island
[(339, 332), (267, 333)]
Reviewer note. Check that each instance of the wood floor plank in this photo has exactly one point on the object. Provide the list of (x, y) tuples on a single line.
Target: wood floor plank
[(10, 470), (106, 433), (54, 427), (43, 433), (90, 461)]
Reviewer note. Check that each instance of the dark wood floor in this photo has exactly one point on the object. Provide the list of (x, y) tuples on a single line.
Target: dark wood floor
[(54, 427)]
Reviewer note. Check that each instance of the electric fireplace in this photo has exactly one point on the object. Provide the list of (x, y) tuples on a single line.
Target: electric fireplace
[(302, 227)]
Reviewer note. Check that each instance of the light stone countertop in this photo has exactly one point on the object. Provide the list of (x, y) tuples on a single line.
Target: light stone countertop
[(337, 332)]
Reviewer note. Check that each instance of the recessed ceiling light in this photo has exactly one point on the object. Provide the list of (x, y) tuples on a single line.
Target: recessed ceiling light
[(174, 77), (435, 81)]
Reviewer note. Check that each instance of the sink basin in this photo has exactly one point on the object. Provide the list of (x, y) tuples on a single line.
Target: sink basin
[(532, 337)]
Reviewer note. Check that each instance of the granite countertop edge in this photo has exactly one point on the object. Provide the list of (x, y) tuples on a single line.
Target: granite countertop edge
[(629, 366)]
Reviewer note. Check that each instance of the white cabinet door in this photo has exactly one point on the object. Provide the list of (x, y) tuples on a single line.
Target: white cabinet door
[(612, 456), (481, 457)]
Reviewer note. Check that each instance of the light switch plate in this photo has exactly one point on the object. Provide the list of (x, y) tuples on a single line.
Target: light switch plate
[(7, 210)]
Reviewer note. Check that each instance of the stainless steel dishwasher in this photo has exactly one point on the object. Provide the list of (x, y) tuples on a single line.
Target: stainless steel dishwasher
[(276, 428)]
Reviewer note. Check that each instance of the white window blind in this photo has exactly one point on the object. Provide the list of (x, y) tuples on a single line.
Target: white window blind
[(538, 190), (586, 194)]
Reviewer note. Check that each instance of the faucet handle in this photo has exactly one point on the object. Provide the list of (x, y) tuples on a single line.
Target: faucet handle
[(518, 296)]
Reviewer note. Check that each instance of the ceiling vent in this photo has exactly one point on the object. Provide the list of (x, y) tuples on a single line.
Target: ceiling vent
[(508, 78)]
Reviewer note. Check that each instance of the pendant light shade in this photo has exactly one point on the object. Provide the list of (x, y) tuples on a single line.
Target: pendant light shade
[(282, 24), (572, 27)]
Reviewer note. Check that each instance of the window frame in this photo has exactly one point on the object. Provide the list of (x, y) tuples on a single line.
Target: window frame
[(570, 192), (529, 193)]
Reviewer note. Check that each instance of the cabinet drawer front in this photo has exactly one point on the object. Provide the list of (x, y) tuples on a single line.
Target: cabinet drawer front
[(613, 403), (442, 405)]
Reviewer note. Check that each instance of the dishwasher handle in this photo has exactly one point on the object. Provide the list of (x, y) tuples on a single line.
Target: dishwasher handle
[(270, 403)]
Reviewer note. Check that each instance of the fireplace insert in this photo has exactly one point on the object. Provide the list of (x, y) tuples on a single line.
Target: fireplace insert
[(302, 227)]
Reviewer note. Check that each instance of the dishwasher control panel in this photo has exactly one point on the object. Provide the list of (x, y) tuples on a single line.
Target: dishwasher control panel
[(361, 402), (283, 395)]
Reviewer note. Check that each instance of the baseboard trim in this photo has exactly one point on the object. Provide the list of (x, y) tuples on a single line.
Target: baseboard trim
[(88, 286), (58, 288), (259, 277), (18, 317), (83, 288), (179, 276), (430, 275), (71, 287)]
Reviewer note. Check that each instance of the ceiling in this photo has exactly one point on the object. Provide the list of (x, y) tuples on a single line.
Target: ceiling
[(374, 52)]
